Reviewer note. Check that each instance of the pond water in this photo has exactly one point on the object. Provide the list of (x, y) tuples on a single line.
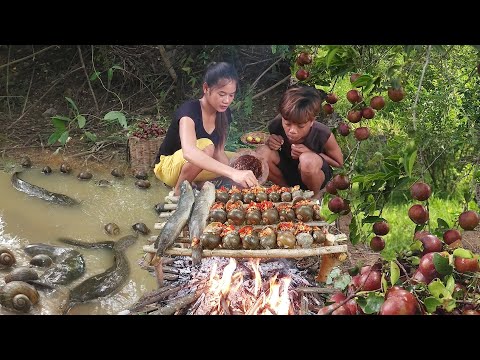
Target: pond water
[(28, 220)]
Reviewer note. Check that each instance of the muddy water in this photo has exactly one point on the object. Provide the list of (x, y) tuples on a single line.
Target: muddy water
[(28, 220)]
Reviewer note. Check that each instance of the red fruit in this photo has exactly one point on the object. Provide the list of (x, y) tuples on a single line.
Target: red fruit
[(377, 102), (452, 235), (302, 74), (361, 133), (398, 306), (463, 265), (304, 58), (418, 214), (354, 96), (343, 129), (420, 191), (331, 98), (419, 234), (396, 94), (471, 311), (381, 228), (337, 297), (336, 204), (354, 116), (354, 77), (341, 182), (368, 112), (419, 277), (373, 280), (328, 109), (427, 267), (330, 188), (431, 243), (342, 310), (468, 220), (377, 243)]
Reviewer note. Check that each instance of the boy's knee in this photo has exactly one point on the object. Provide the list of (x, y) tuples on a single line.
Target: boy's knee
[(310, 163)]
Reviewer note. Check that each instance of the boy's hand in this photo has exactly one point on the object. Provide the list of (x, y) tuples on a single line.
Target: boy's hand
[(274, 142), (298, 149)]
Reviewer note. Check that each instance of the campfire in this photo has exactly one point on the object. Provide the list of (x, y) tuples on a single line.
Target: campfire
[(225, 286)]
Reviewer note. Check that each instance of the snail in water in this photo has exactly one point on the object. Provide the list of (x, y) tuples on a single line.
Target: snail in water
[(142, 228), (26, 162), (112, 229), (21, 274), (19, 295), (84, 175), (47, 170), (118, 173), (141, 174), (7, 258), (41, 260), (103, 183), (65, 168), (143, 184)]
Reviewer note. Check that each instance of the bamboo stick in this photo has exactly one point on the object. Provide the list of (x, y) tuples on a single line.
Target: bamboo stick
[(267, 253)]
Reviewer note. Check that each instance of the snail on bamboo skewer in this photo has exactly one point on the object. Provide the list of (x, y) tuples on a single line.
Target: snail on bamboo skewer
[(235, 212)]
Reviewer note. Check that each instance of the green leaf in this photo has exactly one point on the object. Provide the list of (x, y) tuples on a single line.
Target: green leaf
[(332, 217), (438, 290), (92, 137), (59, 125), (117, 67), (410, 162), (450, 284), (431, 304), (116, 116), (384, 283), (442, 224), (417, 245), (63, 138), (363, 80), (372, 303), (441, 264), (54, 137), (414, 260), (61, 118), (72, 104), (391, 70), (333, 274), (342, 281), (95, 75), (354, 235), (463, 253), (109, 76), (394, 272), (81, 121), (330, 56)]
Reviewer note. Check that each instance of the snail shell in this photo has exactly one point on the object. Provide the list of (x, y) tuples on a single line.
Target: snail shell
[(232, 241), (118, 173), (41, 260), (26, 162), (6, 257), (270, 216), (103, 183), (236, 196), (304, 213), (286, 239), (219, 215), (222, 196), (19, 295), (47, 170), (305, 240), (210, 240), (65, 168), (142, 228), (141, 174), (142, 184), (112, 229), (21, 274), (261, 196), (248, 198), (286, 197), (84, 175), (274, 197)]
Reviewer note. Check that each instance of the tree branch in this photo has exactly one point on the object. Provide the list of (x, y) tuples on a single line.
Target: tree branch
[(27, 57), (427, 59), (88, 78)]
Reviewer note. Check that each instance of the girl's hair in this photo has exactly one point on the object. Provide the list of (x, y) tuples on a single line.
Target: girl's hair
[(300, 104), (217, 75)]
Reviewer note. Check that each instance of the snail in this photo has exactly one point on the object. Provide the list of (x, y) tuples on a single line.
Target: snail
[(236, 216), (286, 197), (21, 274), (117, 173), (47, 170), (305, 240), (19, 295), (141, 174), (270, 216), (274, 197), (285, 239), (249, 237), (304, 213), (232, 241), (7, 258), (103, 183), (26, 162), (217, 213), (221, 195), (65, 168), (253, 216), (41, 260), (112, 229), (319, 236), (261, 196), (248, 197), (210, 240), (142, 184), (268, 238), (85, 175), (142, 228)]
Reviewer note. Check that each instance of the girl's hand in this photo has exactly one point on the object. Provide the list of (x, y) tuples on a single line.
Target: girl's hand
[(245, 178)]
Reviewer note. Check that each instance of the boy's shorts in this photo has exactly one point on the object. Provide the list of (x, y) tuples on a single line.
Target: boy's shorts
[(291, 174), (169, 168)]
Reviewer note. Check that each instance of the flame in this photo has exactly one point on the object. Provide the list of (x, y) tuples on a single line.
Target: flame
[(272, 301)]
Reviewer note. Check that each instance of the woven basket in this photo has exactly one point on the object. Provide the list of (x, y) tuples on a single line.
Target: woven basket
[(142, 152)]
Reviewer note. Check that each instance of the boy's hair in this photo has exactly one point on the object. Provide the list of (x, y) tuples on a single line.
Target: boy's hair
[(219, 74), (300, 104)]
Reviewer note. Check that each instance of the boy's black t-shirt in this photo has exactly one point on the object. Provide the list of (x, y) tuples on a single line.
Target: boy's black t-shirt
[(192, 109), (315, 140)]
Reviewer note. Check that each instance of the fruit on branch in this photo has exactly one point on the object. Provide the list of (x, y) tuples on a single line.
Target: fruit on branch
[(418, 214), (328, 108), (330, 188), (396, 94), (354, 77), (336, 204), (431, 243), (381, 228), (354, 116), (368, 112), (399, 302), (304, 58), (341, 182), (361, 133), (377, 243), (331, 98), (302, 74), (427, 267), (468, 220), (343, 129), (354, 96), (420, 191), (377, 102), (452, 235)]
